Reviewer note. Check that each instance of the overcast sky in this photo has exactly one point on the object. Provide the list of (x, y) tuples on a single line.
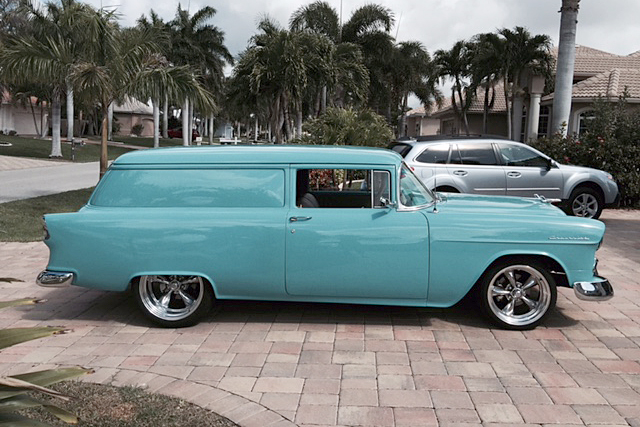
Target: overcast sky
[(609, 25)]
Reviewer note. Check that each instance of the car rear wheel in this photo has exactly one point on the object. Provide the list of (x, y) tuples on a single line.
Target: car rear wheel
[(517, 294), (173, 301), (585, 202)]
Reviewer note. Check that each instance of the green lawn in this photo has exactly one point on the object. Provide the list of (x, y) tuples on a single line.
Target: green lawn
[(41, 148), (144, 141), (21, 220)]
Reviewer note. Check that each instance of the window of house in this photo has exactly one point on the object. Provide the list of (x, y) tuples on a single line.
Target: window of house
[(543, 122), (341, 188), (583, 121)]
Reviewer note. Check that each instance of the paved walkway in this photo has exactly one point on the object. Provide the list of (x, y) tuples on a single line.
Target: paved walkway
[(277, 364)]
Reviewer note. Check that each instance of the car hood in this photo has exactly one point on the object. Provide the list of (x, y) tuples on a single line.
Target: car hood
[(496, 205)]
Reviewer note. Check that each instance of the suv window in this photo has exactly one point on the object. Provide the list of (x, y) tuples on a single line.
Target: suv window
[(438, 154), (516, 155), (402, 149), (476, 154)]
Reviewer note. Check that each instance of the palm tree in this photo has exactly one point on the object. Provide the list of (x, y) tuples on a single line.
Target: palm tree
[(200, 45), (125, 62), (414, 73), (522, 51), (487, 69), (455, 64), (566, 60), (47, 53)]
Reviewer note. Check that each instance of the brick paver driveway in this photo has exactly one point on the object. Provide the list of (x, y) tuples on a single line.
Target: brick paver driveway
[(281, 364)]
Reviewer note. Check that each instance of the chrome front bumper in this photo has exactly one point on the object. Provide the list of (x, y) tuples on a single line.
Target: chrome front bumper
[(599, 290), (54, 279)]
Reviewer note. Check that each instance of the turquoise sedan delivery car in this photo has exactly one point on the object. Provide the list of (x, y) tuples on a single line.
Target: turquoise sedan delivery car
[(184, 227)]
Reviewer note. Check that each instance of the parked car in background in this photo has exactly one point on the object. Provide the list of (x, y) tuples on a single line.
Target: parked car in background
[(185, 227), (498, 167), (177, 133)]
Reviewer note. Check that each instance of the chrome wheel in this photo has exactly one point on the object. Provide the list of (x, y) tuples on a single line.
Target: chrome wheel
[(519, 295), (585, 205), (171, 298)]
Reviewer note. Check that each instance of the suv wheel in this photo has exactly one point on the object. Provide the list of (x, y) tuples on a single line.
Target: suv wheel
[(585, 202)]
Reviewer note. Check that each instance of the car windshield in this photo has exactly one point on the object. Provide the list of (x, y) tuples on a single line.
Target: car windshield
[(412, 191)]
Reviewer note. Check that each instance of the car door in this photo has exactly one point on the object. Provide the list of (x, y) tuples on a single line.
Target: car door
[(431, 165), (476, 169), (360, 253), (529, 173)]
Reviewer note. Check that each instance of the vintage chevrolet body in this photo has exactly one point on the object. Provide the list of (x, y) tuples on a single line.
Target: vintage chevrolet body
[(182, 227)]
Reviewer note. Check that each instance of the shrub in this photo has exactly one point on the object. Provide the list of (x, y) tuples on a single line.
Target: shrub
[(12, 133), (611, 143), (342, 126), (137, 129)]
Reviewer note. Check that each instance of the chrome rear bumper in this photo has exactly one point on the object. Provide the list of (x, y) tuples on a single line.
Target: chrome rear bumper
[(599, 290), (54, 279)]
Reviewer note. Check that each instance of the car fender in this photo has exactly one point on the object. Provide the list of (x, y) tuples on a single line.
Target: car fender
[(442, 179), (576, 179)]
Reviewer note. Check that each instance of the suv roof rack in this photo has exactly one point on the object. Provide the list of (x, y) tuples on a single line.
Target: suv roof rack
[(472, 136)]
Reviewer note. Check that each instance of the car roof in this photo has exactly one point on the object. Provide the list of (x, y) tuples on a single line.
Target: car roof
[(264, 154), (432, 139)]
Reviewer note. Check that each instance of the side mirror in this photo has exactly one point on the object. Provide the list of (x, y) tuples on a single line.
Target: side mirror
[(386, 203), (549, 164)]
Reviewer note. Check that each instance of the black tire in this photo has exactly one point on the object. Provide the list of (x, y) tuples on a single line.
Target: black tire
[(585, 202), (517, 293), (173, 301)]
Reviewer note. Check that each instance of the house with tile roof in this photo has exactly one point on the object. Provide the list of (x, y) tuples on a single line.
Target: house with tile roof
[(596, 74)]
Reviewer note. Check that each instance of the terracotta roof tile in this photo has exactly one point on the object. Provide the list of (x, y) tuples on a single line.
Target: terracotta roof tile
[(611, 83), (477, 106)]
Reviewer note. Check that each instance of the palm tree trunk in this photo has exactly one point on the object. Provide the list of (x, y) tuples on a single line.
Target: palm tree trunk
[(566, 62), (56, 148), (298, 119), (70, 111), (403, 116), (33, 114), (255, 130), (485, 109), (103, 140), (506, 100), (211, 129), (156, 123), (323, 106), (190, 130), (165, 118), (110, 122), (185, 122)]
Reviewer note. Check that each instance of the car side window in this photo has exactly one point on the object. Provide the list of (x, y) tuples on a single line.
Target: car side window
[(477, 154), (515, 155), (339, 188), (438, 154)]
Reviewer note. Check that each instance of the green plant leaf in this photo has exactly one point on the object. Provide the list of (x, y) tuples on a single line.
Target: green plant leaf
[(15, 303), (17, 420), (41, 379), (9, 337), (19, 403)]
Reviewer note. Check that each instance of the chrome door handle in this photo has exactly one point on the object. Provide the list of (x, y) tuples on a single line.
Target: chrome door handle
[(514, 174), (299, 218), (460, 173)]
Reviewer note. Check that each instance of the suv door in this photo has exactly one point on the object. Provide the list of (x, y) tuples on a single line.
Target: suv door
[(431, 165), (476, 168), (529, 173)]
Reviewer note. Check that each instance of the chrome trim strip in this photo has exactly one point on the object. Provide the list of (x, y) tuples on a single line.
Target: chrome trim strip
[(593, 291), (54, 279)]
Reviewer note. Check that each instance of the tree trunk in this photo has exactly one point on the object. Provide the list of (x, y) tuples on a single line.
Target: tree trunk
[(402, 125), (70, 111), (211, 130), (255, 130), (298, 119), (33, 114), (104, 162), (506, 100), (110, 122), (165, 118), (185, 122), (323, 106), (156, 123), (56, 148), (485, 109), (190, 130), (565, 65)]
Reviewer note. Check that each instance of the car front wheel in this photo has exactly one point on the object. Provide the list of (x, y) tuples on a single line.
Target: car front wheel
[(173, 301), (517, 294), (585, 202)]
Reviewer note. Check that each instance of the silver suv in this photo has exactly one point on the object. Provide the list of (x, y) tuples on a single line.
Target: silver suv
[(492, 166)]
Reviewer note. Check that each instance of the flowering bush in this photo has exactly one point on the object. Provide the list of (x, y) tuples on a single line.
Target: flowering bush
[(611, 143)]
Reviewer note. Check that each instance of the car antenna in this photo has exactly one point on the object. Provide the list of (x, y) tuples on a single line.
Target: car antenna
[(435, 194)]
